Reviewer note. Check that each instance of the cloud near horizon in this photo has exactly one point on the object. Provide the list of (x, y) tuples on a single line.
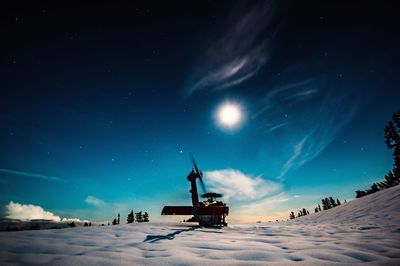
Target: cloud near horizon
[(27, 212), (235, 184)]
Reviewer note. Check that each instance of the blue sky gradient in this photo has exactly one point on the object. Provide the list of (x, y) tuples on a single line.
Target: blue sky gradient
[(95, 122)]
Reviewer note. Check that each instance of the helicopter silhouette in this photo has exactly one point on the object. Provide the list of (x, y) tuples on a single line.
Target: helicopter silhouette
[(208, 213)]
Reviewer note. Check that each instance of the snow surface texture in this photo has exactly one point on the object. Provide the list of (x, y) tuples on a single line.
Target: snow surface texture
[(363, 231)]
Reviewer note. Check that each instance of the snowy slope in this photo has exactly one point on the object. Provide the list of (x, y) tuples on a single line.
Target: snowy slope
[(365, 230)]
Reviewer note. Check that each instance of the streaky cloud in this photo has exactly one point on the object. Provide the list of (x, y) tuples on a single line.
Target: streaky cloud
[(239, 54), (296, 153), (305, 116), (34, 175)]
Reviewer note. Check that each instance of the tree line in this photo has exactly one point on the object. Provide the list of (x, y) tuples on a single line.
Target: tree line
[(139, 217), (327, 203), (392, 140)]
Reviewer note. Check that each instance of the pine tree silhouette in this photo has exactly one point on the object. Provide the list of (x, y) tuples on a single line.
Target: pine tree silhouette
[(139, 217), (114, 222), (324, 205), (332, 202), (146, 217), (360, 193), (130, 218), (118, 218), (338, 202), (392, 140)]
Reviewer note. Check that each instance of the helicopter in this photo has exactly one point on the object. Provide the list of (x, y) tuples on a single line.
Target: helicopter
[(208, 213)]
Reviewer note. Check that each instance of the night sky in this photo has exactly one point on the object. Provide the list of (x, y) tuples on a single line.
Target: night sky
[(101, 103)]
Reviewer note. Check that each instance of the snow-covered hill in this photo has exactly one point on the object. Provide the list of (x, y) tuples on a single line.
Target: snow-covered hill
[(365, 230)]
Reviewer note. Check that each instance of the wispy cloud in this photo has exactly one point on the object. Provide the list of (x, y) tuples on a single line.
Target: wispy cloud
[(308, 114), (34, 175), (285, 95), (235, 184), (239, 54), (296, 153), (94, 201)]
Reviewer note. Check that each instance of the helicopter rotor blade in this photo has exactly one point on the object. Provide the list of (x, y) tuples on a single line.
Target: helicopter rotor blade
[(203, 187), (194, 163)]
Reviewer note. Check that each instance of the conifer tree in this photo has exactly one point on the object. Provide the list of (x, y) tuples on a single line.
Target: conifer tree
[(324, 205), (146, 217), (392, 140), (114, 222), (130, 218), (118, 218), (359, 193), (139, 217), (332, 202)]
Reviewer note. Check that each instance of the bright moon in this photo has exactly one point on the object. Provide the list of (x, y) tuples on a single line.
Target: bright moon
[(229, 115)]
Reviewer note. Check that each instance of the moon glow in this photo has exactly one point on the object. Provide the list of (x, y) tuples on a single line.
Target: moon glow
[(229, 115)]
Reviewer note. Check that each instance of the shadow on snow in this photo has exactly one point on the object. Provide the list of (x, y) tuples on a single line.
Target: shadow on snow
[(170, 236)]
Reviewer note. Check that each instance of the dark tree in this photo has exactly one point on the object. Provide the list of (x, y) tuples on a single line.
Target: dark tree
[(332, 202), (118, 218), (319, 207), (146, 217), (139, 217), (374, 188), (291, 216), (71, 224), (392, 140), (85, 224), (316, 209), (130, 218), (114, 222), (360, 193), (338, 202), (90, 223)]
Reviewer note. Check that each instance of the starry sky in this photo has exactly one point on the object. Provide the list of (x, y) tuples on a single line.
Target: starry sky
[(101, 103)]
